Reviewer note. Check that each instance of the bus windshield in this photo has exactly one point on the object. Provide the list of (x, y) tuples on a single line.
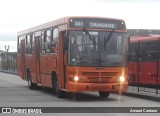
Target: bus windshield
[(85, 51)]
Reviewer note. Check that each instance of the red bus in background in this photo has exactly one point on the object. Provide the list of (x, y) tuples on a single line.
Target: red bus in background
[(144, 57), (75, 54)]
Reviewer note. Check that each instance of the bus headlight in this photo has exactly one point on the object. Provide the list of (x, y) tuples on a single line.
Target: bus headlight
[(76, 78), (122, 79)]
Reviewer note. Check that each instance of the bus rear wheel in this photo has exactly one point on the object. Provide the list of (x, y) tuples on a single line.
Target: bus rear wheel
[(31, 85), (104, 94)]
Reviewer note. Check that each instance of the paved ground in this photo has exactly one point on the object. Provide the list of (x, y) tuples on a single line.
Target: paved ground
[(15, 93)]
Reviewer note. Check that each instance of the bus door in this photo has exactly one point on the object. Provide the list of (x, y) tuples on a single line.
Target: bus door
[(37, 58), (65, 54), (23, 58), (63, 59)]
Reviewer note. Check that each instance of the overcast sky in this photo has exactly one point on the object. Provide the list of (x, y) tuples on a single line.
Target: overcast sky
[(17, 15)]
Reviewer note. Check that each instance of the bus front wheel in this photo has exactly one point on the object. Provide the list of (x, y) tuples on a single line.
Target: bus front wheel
[(56, 88), (103, 94), (59, 93)]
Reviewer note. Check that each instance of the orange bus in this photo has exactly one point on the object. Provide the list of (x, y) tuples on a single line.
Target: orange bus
[(75, 54)]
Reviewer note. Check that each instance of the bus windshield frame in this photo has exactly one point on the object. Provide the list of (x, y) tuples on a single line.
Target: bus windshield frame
[(92, 49)]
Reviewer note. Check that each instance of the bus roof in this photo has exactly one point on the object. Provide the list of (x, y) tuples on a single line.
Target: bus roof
[(144, 38), (58, 22)]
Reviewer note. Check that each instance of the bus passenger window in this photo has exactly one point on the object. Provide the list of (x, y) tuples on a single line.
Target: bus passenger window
[(28, 44), (47, 42), (55, 41), (32, 51), (48, 36), (42, 42)]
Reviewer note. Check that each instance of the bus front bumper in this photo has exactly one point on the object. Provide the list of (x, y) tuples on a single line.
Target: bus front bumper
[(110, 87)]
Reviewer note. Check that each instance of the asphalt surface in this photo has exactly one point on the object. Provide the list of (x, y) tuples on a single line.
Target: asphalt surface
[(14, 92)]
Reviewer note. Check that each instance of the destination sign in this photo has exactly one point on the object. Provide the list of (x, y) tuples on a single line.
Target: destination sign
[(102, 25), (79, 24), (97, 23)]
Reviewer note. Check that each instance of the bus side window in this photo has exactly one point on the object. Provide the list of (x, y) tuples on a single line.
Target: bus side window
[(151, 51), (47, 42), (142, 51), (42, 41), (28, 44), (32, 48), (55, 41), (133, 52)]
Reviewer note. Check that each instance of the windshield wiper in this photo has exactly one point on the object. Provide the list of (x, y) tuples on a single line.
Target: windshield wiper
[(91, 37), (107, 39)]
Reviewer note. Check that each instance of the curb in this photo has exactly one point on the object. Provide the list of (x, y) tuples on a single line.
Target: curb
[(143, 95), (8, 72)]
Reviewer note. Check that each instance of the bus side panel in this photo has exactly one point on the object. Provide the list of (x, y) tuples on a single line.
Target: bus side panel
[(48, 64), (43, 58), (148, 74), (30, 63), (48, 70), (142, 74), (151, 72), (133, 72)]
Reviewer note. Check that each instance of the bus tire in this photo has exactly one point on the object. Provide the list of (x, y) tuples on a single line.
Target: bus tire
[(54, 80), (56, 88), (59, 93), (104, 94), (31, 85)]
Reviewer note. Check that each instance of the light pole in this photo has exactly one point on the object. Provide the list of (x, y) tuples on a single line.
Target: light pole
[(6, 48), (6, 55)]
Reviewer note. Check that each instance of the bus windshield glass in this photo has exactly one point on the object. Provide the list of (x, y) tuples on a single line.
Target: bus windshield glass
[(91, 48)]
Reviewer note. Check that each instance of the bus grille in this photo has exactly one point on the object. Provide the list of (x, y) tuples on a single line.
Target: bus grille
[(100, 77), (90, 73), (105, 74)]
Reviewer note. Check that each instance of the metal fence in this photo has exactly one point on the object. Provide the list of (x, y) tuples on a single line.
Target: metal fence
[(8, 62)]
